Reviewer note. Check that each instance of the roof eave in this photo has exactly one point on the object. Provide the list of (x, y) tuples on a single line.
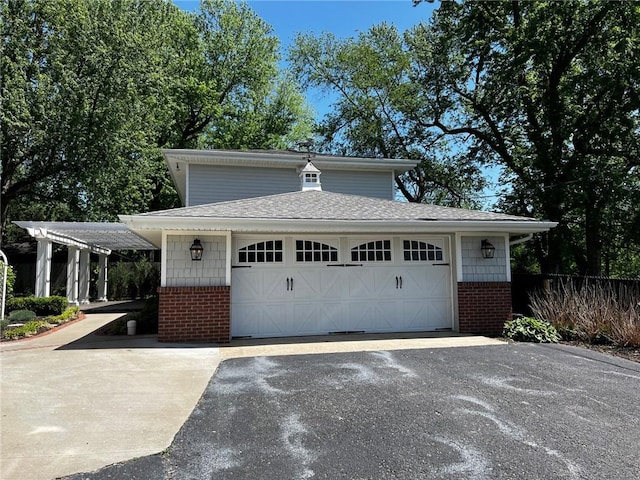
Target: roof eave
[(142, 224)]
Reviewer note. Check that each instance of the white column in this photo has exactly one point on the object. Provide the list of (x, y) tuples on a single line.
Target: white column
[(84, 276), (103, 262), (43, 268), (73, 269), (507, 249)]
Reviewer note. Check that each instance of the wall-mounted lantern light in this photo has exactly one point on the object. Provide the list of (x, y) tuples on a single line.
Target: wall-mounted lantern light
[(487, 249), (196, 251)]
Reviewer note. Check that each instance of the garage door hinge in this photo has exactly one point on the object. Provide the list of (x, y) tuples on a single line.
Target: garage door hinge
[(345, 265), (240, 266), (440, 264)]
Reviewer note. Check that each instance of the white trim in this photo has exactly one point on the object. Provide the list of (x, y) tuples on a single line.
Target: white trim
[(187, 193), (228, 258), (43, 267), (454, 284), (144, 225), (44, 234), (507, 254), (163, 260), (269, 158), (458, 239)]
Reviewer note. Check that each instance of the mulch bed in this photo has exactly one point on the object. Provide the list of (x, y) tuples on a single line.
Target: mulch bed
[(630, 353)]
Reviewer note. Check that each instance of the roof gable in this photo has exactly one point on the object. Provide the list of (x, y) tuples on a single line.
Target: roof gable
[(321, 205)]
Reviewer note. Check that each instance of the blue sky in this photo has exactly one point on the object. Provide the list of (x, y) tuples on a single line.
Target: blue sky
[(342, 18)]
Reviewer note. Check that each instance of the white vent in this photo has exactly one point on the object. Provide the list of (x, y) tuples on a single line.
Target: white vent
[(310, 177)]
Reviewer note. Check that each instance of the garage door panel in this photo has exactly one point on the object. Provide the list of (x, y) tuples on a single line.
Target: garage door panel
[(439, 314), (405, 296), (386, 317)]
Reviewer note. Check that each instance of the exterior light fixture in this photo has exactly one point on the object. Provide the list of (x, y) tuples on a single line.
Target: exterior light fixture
[(487, 249), (196, 250)]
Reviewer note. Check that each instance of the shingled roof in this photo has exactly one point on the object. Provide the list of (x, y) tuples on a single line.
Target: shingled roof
[(321, 205)]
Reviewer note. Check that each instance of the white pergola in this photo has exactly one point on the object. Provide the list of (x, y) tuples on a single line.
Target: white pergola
[(81, 239)]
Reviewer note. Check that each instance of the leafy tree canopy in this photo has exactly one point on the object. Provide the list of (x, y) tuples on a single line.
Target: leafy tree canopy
[(92, 89), (546, 90)]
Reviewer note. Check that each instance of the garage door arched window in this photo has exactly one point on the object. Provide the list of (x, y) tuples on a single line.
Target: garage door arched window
[(308, 251), (377, 251), (416, 251), (261, 252)]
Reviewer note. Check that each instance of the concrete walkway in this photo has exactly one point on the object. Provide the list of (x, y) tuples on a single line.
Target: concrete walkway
[(73, 401)]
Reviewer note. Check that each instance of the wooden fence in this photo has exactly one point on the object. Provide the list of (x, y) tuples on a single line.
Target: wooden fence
[(524, 285)]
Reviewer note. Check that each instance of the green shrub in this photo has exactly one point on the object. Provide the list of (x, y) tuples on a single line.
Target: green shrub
[(3, 324), (69, 314), (527, 329), (119, 280), (11, 279), (43, 306), (28, 329), (22, 316)]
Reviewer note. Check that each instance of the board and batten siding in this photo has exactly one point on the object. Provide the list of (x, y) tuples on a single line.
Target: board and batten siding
[(182, 271), (478, 269), (221, 183)]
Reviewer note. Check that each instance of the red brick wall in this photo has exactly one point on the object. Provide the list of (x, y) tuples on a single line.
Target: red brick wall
[(194, 314), (483, 307)]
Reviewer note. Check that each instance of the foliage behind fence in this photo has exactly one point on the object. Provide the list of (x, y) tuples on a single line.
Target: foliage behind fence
[(524, 286)]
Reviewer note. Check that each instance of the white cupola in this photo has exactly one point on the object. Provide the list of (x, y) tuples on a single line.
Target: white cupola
[(310, 177)]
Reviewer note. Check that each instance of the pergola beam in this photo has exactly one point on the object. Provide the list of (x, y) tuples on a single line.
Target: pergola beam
[(44, 234)]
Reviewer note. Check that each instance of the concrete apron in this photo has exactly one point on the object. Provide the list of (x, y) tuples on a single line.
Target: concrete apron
[(74, 402), (94, 402)]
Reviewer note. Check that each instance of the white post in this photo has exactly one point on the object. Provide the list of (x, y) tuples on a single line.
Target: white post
[(73, 270), (84, 276), (5, 269), (103, 262), (43, 268)]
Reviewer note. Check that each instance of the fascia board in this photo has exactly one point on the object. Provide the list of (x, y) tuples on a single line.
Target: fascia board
[(141, 223), (252, 159)]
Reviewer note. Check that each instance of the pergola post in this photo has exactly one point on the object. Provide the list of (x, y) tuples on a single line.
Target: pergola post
[(43, 267), (73, 270), (103, 262), (84, 276)]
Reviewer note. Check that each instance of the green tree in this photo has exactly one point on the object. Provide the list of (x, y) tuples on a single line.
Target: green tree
[(549, 91), (80, 103), (93, 89), (374, 115)]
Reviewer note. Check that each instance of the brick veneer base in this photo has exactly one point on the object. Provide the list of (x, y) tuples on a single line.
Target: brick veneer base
[(194, 314), (483, 307)]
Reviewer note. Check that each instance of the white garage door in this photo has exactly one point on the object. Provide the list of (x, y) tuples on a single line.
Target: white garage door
[(291, 286)]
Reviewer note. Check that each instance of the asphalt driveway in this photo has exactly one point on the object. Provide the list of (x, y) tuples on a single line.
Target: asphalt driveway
[(507, 411)]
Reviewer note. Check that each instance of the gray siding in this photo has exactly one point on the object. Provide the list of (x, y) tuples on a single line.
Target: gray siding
[(184, 272), (217, 183), (352, 182), (478, 269)]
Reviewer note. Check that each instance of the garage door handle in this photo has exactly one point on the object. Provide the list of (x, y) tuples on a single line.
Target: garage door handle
[(397, 282), (400, 281), (292, 284), (287, 284)]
